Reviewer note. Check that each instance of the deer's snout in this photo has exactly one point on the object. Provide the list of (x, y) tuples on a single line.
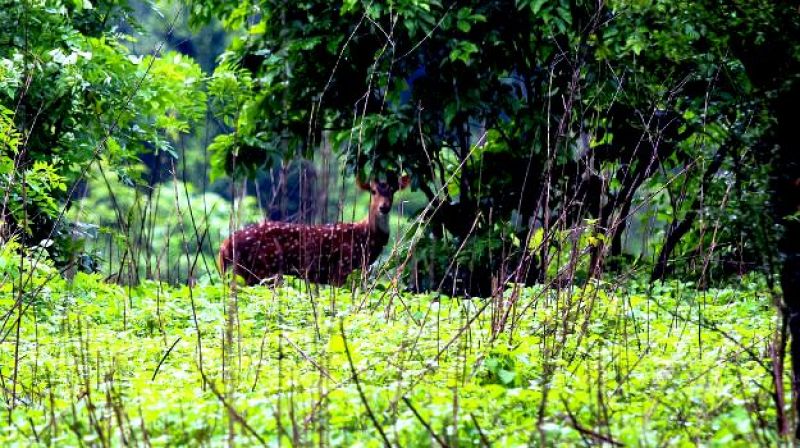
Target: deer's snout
[(385, 208)]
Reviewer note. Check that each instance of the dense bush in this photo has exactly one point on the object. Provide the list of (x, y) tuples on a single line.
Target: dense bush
[(72, 95)]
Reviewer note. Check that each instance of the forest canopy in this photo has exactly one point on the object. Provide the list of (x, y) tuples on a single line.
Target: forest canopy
[(518, 116)]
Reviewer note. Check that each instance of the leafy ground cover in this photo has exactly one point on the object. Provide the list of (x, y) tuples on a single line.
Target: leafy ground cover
[(608, 363)]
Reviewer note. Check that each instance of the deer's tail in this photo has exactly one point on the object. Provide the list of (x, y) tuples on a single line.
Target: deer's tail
[(223, 259)]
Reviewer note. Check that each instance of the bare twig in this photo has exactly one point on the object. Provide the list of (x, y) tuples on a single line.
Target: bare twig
[(360, 391)]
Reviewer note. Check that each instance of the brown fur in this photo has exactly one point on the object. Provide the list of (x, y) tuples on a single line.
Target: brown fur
[(322, 254)]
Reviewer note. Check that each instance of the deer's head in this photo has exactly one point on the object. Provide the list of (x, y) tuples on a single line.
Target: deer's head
[(381, 196)]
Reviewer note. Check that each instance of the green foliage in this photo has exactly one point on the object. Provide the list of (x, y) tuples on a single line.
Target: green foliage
[(78, 96), (35, 185), (641, 365), (530, 112)]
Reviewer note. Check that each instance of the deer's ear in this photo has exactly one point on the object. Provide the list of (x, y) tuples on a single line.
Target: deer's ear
[(405, 181), (362, 185)]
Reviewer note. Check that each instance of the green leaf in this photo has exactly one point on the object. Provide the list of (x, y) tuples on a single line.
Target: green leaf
[(336, 344), (536, 6), (506, 376)]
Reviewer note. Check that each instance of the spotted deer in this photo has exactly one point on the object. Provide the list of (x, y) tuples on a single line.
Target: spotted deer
[(324, 254)]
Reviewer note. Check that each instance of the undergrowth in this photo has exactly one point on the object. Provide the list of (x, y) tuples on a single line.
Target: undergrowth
[(607, 363)]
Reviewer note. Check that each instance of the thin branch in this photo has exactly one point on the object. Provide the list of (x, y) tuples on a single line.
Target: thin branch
[(360, 391), (164, 358), (424, 423)]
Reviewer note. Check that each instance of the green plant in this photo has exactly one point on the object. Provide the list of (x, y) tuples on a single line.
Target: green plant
[(629, 362), (72, 95)]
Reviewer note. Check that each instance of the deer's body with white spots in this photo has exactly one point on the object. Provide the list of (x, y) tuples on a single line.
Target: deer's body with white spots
[(322, 254)]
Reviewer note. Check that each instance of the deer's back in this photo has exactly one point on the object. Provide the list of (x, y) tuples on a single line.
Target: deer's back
[(322, 254)]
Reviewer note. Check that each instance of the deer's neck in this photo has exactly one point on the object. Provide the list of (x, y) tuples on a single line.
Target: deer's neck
[(377, 233), (378, 224)]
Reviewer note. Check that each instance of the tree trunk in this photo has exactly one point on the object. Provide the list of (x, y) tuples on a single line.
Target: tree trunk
[(786, 192), (772, 65), (678, 229)]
